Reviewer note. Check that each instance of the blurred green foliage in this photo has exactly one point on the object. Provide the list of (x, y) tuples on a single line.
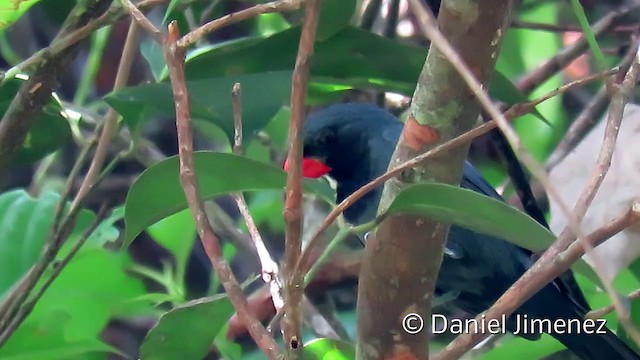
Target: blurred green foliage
[(102, 282)]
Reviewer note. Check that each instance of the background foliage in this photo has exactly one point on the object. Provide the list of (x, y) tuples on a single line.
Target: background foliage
[(140, 286)]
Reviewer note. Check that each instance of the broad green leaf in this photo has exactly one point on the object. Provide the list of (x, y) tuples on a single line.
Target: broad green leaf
[(328, 349), (269, 24), (49, 132), (12, 10), (152, 52), (352, 57), (262, 96), (176, 233), (187, 331), (24, 227), (334, 16), (170, 8), (46, 340), (227, 348), (480, 213), (101, 289), (157, 192)]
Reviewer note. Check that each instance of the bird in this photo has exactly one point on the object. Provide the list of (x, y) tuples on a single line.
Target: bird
[(352, 143)]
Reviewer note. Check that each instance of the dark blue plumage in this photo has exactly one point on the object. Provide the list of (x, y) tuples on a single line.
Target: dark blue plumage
[(357, 141)]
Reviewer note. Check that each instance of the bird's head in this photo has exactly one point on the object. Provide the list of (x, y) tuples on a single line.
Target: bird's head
[(351, 143), (337, 140)]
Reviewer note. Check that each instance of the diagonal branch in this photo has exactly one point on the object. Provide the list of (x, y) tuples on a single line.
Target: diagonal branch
[(538, 275)]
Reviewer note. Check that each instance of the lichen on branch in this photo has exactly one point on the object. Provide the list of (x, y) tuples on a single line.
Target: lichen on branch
[(402, 261)]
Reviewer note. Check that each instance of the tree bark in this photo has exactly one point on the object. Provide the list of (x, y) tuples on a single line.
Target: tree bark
[(402, 260)]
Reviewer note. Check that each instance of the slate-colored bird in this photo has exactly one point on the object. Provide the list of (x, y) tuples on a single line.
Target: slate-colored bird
[(353, 144)]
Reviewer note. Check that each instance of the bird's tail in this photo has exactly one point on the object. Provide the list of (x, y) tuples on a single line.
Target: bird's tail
[(605, 345), (588, 339)]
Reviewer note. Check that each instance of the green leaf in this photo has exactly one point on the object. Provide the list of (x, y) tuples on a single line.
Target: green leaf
[(334, 16), (106, 231), (157, 192), (269, 24), (210, 100), (455, 205), (46, 341), (57, 328), (187, 331), (49, 132), (502, 88), (352, 57), (152, 52), (227, 348), (24, 225), (328, 349), (176, 233), (519, 57), (578, 10), (170, 8), (12, 10)]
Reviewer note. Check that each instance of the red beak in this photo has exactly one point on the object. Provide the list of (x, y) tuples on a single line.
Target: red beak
[(311, 168)]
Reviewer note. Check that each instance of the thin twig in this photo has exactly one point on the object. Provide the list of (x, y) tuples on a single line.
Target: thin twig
[(537, 170), (565, 56), (32, 95), (518, 24), (599, 313), (236, 101), (538, 275), (585, 121), (269, 267), (61, 44), (588, 117), (275, 6), (294, 289), (111, 119), (174, 57), (142, 21)]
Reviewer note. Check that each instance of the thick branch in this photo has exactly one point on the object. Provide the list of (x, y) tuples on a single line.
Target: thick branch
[(401, 262)]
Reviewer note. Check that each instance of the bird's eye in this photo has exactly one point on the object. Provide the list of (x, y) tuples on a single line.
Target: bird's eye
[(327, 137)]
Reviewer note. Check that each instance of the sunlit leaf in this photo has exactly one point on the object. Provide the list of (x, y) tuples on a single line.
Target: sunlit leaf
[(12, 10), (24, 224), (328, 349)]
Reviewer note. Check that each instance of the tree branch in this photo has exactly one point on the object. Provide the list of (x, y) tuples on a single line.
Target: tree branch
[(294, 289), (174, 57), (538, 275), (402, 261)]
